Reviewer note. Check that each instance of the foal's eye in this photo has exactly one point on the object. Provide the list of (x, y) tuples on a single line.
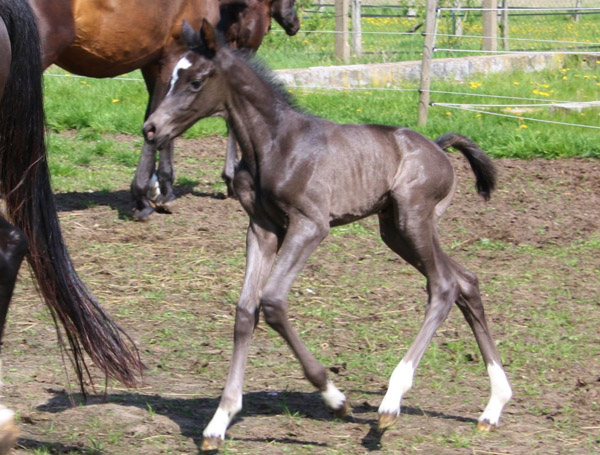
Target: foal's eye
[(196, 85)]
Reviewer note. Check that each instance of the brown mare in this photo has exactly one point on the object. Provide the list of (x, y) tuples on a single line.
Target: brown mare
[(298, 176), (31, 228), (103, 38)]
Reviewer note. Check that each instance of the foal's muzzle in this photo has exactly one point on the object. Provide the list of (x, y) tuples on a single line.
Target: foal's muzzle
[(149, 131)]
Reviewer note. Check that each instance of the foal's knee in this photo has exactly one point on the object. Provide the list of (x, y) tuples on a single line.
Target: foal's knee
[(245, 322), (274, 310), (442, 297)]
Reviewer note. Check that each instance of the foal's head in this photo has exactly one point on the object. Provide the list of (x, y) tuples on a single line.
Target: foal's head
[(196, 89)]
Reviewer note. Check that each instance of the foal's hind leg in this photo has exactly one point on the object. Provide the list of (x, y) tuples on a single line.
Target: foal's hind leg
[(469, 301), (414, 238)]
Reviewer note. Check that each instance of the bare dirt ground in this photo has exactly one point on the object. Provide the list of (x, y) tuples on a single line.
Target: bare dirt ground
[(172, 283)]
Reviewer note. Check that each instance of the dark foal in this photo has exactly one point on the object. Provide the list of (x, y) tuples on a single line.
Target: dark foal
[(105, 38), (298, 176), (31, 228), (244, 23)]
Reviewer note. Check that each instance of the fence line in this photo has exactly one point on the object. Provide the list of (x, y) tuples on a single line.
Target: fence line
[(480, 51), (519, 117)]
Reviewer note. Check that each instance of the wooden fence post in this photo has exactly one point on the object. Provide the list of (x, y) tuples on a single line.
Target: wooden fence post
[(504, 25), (356, 29), (428, 44), (342, 50), (490, 25)]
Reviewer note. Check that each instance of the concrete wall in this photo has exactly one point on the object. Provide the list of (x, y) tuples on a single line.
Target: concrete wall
[(397, 74)]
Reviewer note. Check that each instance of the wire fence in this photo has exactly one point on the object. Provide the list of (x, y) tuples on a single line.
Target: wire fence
[(394, 31)]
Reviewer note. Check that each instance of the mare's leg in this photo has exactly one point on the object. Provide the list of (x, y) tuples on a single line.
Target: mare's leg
[(302, 238), (13, 246), (469, 301), (140, 186), (166, 177), (231, 160), (412, 235), (261, 249)]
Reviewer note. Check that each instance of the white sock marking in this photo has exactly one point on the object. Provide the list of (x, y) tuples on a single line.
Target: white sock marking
[(6, 416), (400, 383), (218, 424), (334, 399), (153, 188), (182, 64), (501, 393)]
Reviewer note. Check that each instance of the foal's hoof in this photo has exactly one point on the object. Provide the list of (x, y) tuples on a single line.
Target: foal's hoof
[(211, 443), (342, 411), (386, 421), (8, 431), (165, 207), (165, 204), (142, 215), (485, 426)]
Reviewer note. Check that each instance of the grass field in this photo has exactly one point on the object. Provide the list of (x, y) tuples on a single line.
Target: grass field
[(387, 37), (90, 108), (173, 282)]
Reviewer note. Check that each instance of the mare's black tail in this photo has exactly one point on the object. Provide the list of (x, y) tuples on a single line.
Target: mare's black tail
[(25, 184), (482, 165)]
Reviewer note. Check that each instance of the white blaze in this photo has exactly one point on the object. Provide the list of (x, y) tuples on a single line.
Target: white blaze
[(182, 64)]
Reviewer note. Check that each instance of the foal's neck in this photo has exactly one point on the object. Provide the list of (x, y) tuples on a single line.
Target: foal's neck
[(257, 113)]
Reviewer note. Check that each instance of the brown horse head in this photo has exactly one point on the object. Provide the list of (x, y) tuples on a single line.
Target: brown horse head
[(284, 12)]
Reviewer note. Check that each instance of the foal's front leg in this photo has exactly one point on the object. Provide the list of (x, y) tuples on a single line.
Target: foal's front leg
[(302, 238), (261, 248)]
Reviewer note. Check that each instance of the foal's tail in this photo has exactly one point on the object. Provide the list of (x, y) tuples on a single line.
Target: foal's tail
[(482, 165), (29, 201)]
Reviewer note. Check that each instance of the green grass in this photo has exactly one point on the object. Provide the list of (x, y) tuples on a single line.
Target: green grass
[(386, 39), (98, 107)]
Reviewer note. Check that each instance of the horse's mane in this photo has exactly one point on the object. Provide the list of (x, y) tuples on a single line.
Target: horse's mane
[(266, 74)]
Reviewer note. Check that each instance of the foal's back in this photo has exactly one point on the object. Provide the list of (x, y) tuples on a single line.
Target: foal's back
[(353, 171)]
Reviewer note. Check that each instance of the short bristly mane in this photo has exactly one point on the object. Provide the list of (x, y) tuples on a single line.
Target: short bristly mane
[(266, 74)]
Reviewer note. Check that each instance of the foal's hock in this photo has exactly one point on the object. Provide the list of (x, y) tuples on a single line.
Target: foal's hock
[(298, 176)]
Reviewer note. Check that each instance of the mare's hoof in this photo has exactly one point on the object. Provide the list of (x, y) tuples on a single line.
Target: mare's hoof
[(142, 215), (386, 421), (342, 411), (211, 443), (8, 431), (485, 426)]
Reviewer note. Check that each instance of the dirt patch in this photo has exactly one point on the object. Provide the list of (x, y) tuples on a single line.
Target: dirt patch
[(173, 283)]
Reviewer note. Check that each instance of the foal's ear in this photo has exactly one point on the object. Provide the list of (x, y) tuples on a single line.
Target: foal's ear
[(189, 36), (209, 36)]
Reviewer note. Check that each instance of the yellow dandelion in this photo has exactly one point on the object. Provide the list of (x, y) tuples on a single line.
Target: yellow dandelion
[(116, 100), (358, 110), (448, 113), (516, 83), (523, 126)]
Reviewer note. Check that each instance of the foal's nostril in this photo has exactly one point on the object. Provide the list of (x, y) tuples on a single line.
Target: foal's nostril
[(149, 132)]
